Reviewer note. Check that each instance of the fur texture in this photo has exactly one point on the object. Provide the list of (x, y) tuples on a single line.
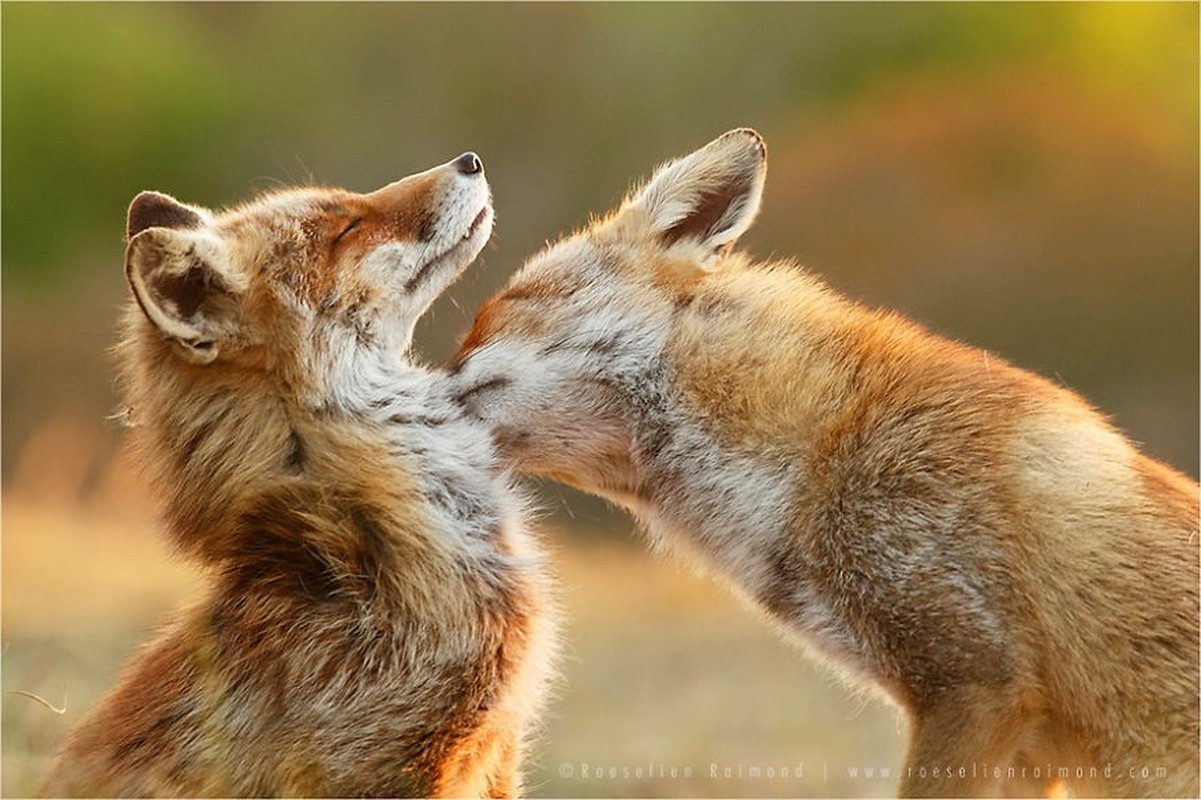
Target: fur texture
[(968, 537), (378, 621)]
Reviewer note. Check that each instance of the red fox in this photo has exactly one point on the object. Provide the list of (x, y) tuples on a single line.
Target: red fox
[(972, 539), (379, 621)]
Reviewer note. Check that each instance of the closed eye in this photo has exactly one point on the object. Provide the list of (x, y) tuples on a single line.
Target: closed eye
[(350, 226), (473, 392)]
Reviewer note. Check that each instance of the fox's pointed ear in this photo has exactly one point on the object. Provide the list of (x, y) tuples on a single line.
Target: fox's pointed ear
[(180, 281), (157, 210), (711, 195)]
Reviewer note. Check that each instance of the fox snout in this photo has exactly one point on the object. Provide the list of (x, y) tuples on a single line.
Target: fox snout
[(443, 204)]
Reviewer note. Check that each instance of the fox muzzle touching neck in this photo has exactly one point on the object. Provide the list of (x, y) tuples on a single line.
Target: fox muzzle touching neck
[(877, 489)]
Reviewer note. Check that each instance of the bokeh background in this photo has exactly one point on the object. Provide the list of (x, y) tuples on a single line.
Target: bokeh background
[(1021, 176)]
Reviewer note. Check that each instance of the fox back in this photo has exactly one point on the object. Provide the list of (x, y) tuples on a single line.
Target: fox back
[(975, 541), (378, 620)]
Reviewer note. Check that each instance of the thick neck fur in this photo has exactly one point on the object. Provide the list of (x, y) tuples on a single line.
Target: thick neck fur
[(752, 392), (762, 361), (387, 494)]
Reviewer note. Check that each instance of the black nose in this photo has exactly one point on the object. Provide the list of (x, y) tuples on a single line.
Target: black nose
[(469, 164)]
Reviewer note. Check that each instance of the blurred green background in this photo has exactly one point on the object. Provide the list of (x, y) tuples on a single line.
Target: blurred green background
[(1023, 177)]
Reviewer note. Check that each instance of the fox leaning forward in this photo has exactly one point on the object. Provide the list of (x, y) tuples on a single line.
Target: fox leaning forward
[(972, 539)]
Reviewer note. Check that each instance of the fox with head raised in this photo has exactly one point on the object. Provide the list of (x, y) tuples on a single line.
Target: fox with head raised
[(378, 620), (970, 538)]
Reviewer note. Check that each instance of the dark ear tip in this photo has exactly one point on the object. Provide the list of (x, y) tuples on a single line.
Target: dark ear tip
[(157, 210), (147, 199)]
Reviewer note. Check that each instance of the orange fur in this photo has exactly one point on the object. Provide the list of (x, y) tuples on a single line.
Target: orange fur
[(378, 621), (972, 539)]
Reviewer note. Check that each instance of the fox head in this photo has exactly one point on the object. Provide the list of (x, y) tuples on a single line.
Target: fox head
[(309, 285), (563, 358)]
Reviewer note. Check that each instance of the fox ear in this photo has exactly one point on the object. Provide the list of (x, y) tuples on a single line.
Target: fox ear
[(178, 280), (711, 195), (157, 210)]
